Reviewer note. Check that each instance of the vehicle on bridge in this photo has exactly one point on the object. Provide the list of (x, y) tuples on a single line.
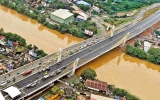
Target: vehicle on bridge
[(58, 71), (3, 83), (27, 72)]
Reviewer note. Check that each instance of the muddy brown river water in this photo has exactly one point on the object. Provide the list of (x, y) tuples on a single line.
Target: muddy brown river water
[(139, 77), (34, 33)]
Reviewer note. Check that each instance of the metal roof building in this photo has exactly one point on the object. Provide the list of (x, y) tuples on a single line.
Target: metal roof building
[(62, 16), (82, 2), (13, 92), (1, 96)]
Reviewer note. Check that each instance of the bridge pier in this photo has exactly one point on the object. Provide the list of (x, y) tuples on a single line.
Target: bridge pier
[(107, 27), (113, 27), (74, 67), (124, 41), (59, 55)]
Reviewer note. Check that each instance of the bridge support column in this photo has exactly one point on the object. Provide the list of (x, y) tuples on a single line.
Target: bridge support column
[(112, 31), (74, 67), (59, 55), (124, 41), (107, 27)]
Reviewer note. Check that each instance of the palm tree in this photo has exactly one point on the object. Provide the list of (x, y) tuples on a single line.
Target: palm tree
[(1, 31)]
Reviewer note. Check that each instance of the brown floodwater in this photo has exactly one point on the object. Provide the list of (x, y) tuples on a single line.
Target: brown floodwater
[(34, 33), (139, 77)]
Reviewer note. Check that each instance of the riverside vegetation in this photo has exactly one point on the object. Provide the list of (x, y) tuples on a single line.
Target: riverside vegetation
[(89, 73), (153, 54)]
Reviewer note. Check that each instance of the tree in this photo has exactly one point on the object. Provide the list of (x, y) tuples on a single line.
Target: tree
[(29, 46), (1, 30), (1, 56), (88, 73), (136, 44), (154, 51), (75, 15)]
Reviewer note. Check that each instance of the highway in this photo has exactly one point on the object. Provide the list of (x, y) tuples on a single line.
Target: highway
[(87, 55)]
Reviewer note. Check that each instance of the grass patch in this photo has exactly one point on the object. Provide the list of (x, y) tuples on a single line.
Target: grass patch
[(1, 56), (72, 80), (150, 12), (99, 31), (47, 95), (20, 49), (117, 22)]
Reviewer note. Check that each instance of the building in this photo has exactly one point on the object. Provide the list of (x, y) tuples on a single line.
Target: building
[(15, 44), (62, 16), (95, 8), (83, 2), (147, 46), (81, 15), (1, 96), (96, 85), (88, 32), (32, 53), (80, 18), (12, 94), (2, 42), (65, 1), (97, 97)]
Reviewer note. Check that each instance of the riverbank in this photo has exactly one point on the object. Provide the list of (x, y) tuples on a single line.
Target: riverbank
[(34, 33)]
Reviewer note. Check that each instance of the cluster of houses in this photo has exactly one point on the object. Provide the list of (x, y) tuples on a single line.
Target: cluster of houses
[(14, 55)]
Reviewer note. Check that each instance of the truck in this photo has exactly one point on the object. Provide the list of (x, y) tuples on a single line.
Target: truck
[(27, 72)]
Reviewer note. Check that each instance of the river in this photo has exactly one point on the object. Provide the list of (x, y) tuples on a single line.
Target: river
[(34, 33), (139, 77)]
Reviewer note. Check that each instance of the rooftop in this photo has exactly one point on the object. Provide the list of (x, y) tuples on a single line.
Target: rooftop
[(62, 13), (97, 97), (147, 44), (2, 37), (98, 85), (11, 93), (83, 2)]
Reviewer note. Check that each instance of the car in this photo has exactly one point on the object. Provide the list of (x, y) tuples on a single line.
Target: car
[(90, 49), (81, 48), (52, 74), (45, 73), (3, 83), (58, 71), (28, 86), (39, 72), (8, 81), (33, 84), (43, 69), (48, 69), (38, 66), (13, 79), (85, 46)]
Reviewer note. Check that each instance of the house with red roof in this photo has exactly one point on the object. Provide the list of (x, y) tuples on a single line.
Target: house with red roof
[(2, 42), (96, 85)]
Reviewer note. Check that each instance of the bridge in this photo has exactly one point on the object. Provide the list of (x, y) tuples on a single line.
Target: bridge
[(68, 60)]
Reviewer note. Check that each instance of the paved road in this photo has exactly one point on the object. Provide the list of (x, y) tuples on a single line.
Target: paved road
[(137, 18), (86, 55)]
